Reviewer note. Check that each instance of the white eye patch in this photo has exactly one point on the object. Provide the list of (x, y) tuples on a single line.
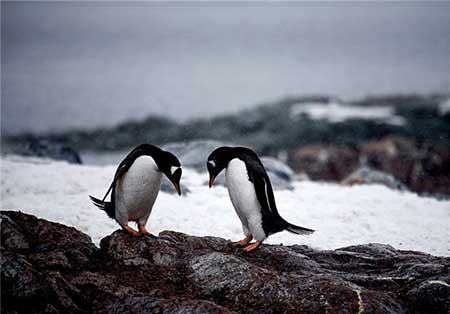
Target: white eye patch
[(173, 169), (212, 163)]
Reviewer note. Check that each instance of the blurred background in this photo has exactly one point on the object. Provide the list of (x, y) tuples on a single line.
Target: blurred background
[(345, 92)]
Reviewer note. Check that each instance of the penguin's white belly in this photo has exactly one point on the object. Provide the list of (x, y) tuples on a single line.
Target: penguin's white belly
[(137, 190), (244, 200)]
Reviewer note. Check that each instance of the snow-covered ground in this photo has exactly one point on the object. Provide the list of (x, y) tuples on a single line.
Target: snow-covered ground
[(340, 215), (338, 112)]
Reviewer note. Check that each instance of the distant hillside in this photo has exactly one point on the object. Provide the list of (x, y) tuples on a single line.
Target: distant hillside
[(274, 127)]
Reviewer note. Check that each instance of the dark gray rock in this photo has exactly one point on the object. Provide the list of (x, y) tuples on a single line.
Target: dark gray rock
[(145, 304), (50, 268), (431, 296)]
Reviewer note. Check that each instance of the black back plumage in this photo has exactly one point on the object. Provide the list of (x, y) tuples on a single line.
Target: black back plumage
[(271, 219), (164, 160)]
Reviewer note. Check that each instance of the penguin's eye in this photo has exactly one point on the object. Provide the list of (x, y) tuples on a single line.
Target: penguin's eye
[(212, 163), (173, 169)]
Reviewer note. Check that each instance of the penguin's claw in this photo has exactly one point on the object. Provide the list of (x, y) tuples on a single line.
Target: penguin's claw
[(252, 246), (243, 242)]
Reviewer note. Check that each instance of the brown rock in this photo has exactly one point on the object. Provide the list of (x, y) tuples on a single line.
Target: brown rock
[(395, 155), (177, 273), (422, 167), (329, 163)]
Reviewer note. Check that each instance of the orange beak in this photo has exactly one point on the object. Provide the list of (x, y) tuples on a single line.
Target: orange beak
[(211, 181)]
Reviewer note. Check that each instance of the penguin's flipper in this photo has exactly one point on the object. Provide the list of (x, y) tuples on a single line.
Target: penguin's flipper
[(271, 219), (263, 189)]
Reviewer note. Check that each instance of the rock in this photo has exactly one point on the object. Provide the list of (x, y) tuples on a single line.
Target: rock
[(324, 162), (422, 167), (178, 273), (51, 244), (146, 304), (365, 175), (431, 296), (393, 154), (394, 161), (32, 274)]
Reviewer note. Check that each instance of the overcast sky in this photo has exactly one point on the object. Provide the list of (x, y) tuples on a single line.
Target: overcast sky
[(78, 64)]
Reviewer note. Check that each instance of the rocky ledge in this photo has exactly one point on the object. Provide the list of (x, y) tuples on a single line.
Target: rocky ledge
[(52, 268)]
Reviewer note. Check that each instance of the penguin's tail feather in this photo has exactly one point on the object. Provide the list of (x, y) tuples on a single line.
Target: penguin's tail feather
[(105, 206), (298, 230)]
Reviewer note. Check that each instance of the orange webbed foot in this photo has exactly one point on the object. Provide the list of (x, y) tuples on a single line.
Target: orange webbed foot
[(252, 246), (243, 242), (130, 230)]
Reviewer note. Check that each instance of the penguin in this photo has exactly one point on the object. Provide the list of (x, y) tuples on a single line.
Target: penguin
[(136, 185), (251, 194)]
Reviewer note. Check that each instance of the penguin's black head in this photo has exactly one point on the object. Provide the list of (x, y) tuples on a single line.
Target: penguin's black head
[(171, 167), (217, 161)]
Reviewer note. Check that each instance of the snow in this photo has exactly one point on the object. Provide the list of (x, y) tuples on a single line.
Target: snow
[(338, 112), (341, 216)]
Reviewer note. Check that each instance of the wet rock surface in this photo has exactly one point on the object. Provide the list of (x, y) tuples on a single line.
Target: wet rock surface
[(48, 267)]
